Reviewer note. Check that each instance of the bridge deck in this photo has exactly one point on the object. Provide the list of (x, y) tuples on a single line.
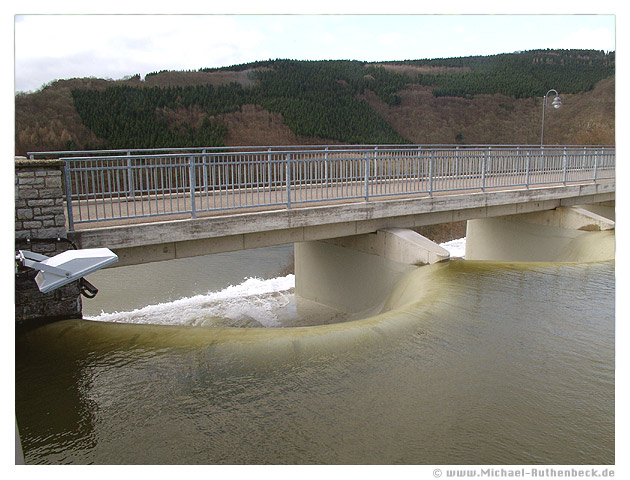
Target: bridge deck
[(139, 240)]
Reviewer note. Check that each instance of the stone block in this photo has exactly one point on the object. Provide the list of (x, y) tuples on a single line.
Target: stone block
[(33, 181), (27, 193), (52, 210), (24, 214), (50, 193), (52, 233), (41, 202), (53, 181), (32, 224)]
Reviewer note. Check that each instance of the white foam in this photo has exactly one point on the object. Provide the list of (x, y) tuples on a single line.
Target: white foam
[(254, 302), (457, 248)]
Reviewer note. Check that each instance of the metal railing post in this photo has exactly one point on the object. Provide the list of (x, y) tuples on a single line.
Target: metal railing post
[(288, 180), (456, 162), (483, 171), (489, 166), (584, 158), (564, 166), (326, 165), (367, 176), (595, 168), (431, 174), (132, 190), (527, 167), (193, 206), (204, 168), (376, 157), (66, 174), (419, 165), (269, 179)]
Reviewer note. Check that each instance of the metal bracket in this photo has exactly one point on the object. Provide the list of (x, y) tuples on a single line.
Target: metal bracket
[(34, 261)]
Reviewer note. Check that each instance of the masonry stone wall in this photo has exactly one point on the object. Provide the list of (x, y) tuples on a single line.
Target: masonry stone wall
[(40, 226)]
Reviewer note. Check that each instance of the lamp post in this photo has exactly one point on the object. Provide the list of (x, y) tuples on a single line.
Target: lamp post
[(556, 104)]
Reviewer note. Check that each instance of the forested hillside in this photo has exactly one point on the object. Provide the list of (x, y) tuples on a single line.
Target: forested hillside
[(490, 99), (521, 75)]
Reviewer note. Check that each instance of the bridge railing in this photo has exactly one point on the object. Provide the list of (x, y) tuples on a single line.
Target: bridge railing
[(111, 187), (240, 149)]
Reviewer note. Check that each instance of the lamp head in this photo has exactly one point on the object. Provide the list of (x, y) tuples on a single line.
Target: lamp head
[(556, 102)]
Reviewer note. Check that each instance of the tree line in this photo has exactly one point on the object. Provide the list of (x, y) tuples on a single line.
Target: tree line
[(519, 75), (322, 98), (316, 99)]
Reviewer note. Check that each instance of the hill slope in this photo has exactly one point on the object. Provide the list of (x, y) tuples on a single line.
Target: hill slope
[(493, 99)]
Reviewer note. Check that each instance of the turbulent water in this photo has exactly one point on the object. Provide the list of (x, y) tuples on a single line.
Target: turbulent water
[(213, 360)]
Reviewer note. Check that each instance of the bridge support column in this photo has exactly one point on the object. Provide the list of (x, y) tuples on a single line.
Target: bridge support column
[(356, 274), (40, 226), (549, 236)]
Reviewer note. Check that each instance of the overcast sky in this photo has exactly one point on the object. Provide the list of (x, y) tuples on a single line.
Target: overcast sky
[(49, 47)]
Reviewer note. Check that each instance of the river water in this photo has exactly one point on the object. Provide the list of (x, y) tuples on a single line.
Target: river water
[(213, 360)]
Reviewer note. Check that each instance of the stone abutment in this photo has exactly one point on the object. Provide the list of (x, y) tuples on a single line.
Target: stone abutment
[(40, 227)]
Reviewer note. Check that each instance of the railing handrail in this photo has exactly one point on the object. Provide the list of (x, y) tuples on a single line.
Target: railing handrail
[(283, 148), (384, 148)]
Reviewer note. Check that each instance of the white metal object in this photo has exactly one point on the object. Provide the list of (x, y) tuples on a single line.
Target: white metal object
[(66, 267)]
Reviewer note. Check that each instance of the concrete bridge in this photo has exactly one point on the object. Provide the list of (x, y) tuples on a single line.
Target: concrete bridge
[(151, 206), (148, 205)]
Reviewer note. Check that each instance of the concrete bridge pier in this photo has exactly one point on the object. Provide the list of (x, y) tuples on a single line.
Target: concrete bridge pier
[(546, 236), (355, 274)]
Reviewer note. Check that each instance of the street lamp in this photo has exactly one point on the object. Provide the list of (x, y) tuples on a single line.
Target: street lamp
[(556, 104)]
